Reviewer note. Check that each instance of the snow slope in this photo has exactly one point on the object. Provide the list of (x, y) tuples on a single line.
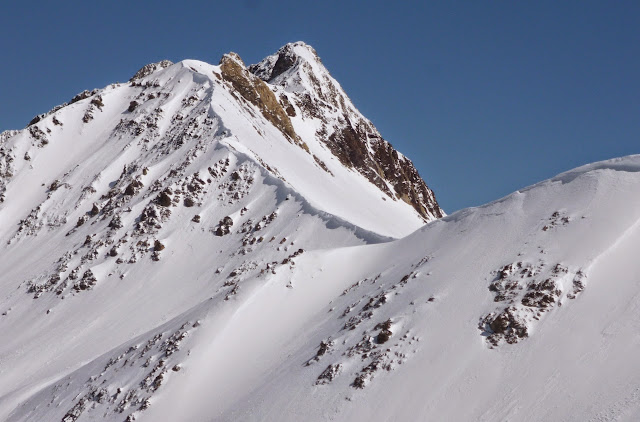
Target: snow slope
[(575, 363), (132, 211), (185, 257)]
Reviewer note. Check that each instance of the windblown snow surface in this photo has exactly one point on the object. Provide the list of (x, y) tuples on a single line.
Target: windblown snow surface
[(185, 258)]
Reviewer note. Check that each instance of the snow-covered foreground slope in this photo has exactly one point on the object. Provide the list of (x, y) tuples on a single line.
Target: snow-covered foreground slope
[(402, 330), (524, 309)]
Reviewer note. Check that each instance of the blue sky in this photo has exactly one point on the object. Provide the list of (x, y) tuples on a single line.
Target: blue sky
[(484, 97)]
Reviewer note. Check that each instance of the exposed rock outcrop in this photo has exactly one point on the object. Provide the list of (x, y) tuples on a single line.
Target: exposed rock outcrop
[(148, 69), (255, 91), (352, 138)]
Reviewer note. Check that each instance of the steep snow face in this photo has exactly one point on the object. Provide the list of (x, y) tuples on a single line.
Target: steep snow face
[(133, 212), (322, 113)]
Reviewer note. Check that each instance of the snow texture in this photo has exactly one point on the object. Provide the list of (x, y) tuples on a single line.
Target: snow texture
[(178, 248)]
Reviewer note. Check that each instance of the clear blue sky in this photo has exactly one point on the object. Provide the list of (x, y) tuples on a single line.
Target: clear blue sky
[(484, 96)]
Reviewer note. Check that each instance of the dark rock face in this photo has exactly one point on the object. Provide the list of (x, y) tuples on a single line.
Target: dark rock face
[(224, 226), (385, 334), (283, 60), (510, 326), (524, 291), (353, 139), (82, 96), (164, 199), (258, 93), (133, 187), (284, 63), (94, 210), (148, 69), (384, 167)]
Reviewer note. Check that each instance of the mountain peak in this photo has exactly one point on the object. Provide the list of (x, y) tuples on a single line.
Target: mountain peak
[(232, 56), (287, 57), (309, 88)]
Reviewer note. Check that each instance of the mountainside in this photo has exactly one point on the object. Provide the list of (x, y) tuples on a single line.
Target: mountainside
[(233, 243), (134, 210), (310, 94)]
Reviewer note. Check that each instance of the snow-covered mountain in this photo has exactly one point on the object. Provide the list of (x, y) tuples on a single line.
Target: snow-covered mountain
[(307, 88), (232, 243)]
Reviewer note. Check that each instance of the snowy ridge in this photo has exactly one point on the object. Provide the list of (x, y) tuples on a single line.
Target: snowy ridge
[(436, 357), (332, 221)]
